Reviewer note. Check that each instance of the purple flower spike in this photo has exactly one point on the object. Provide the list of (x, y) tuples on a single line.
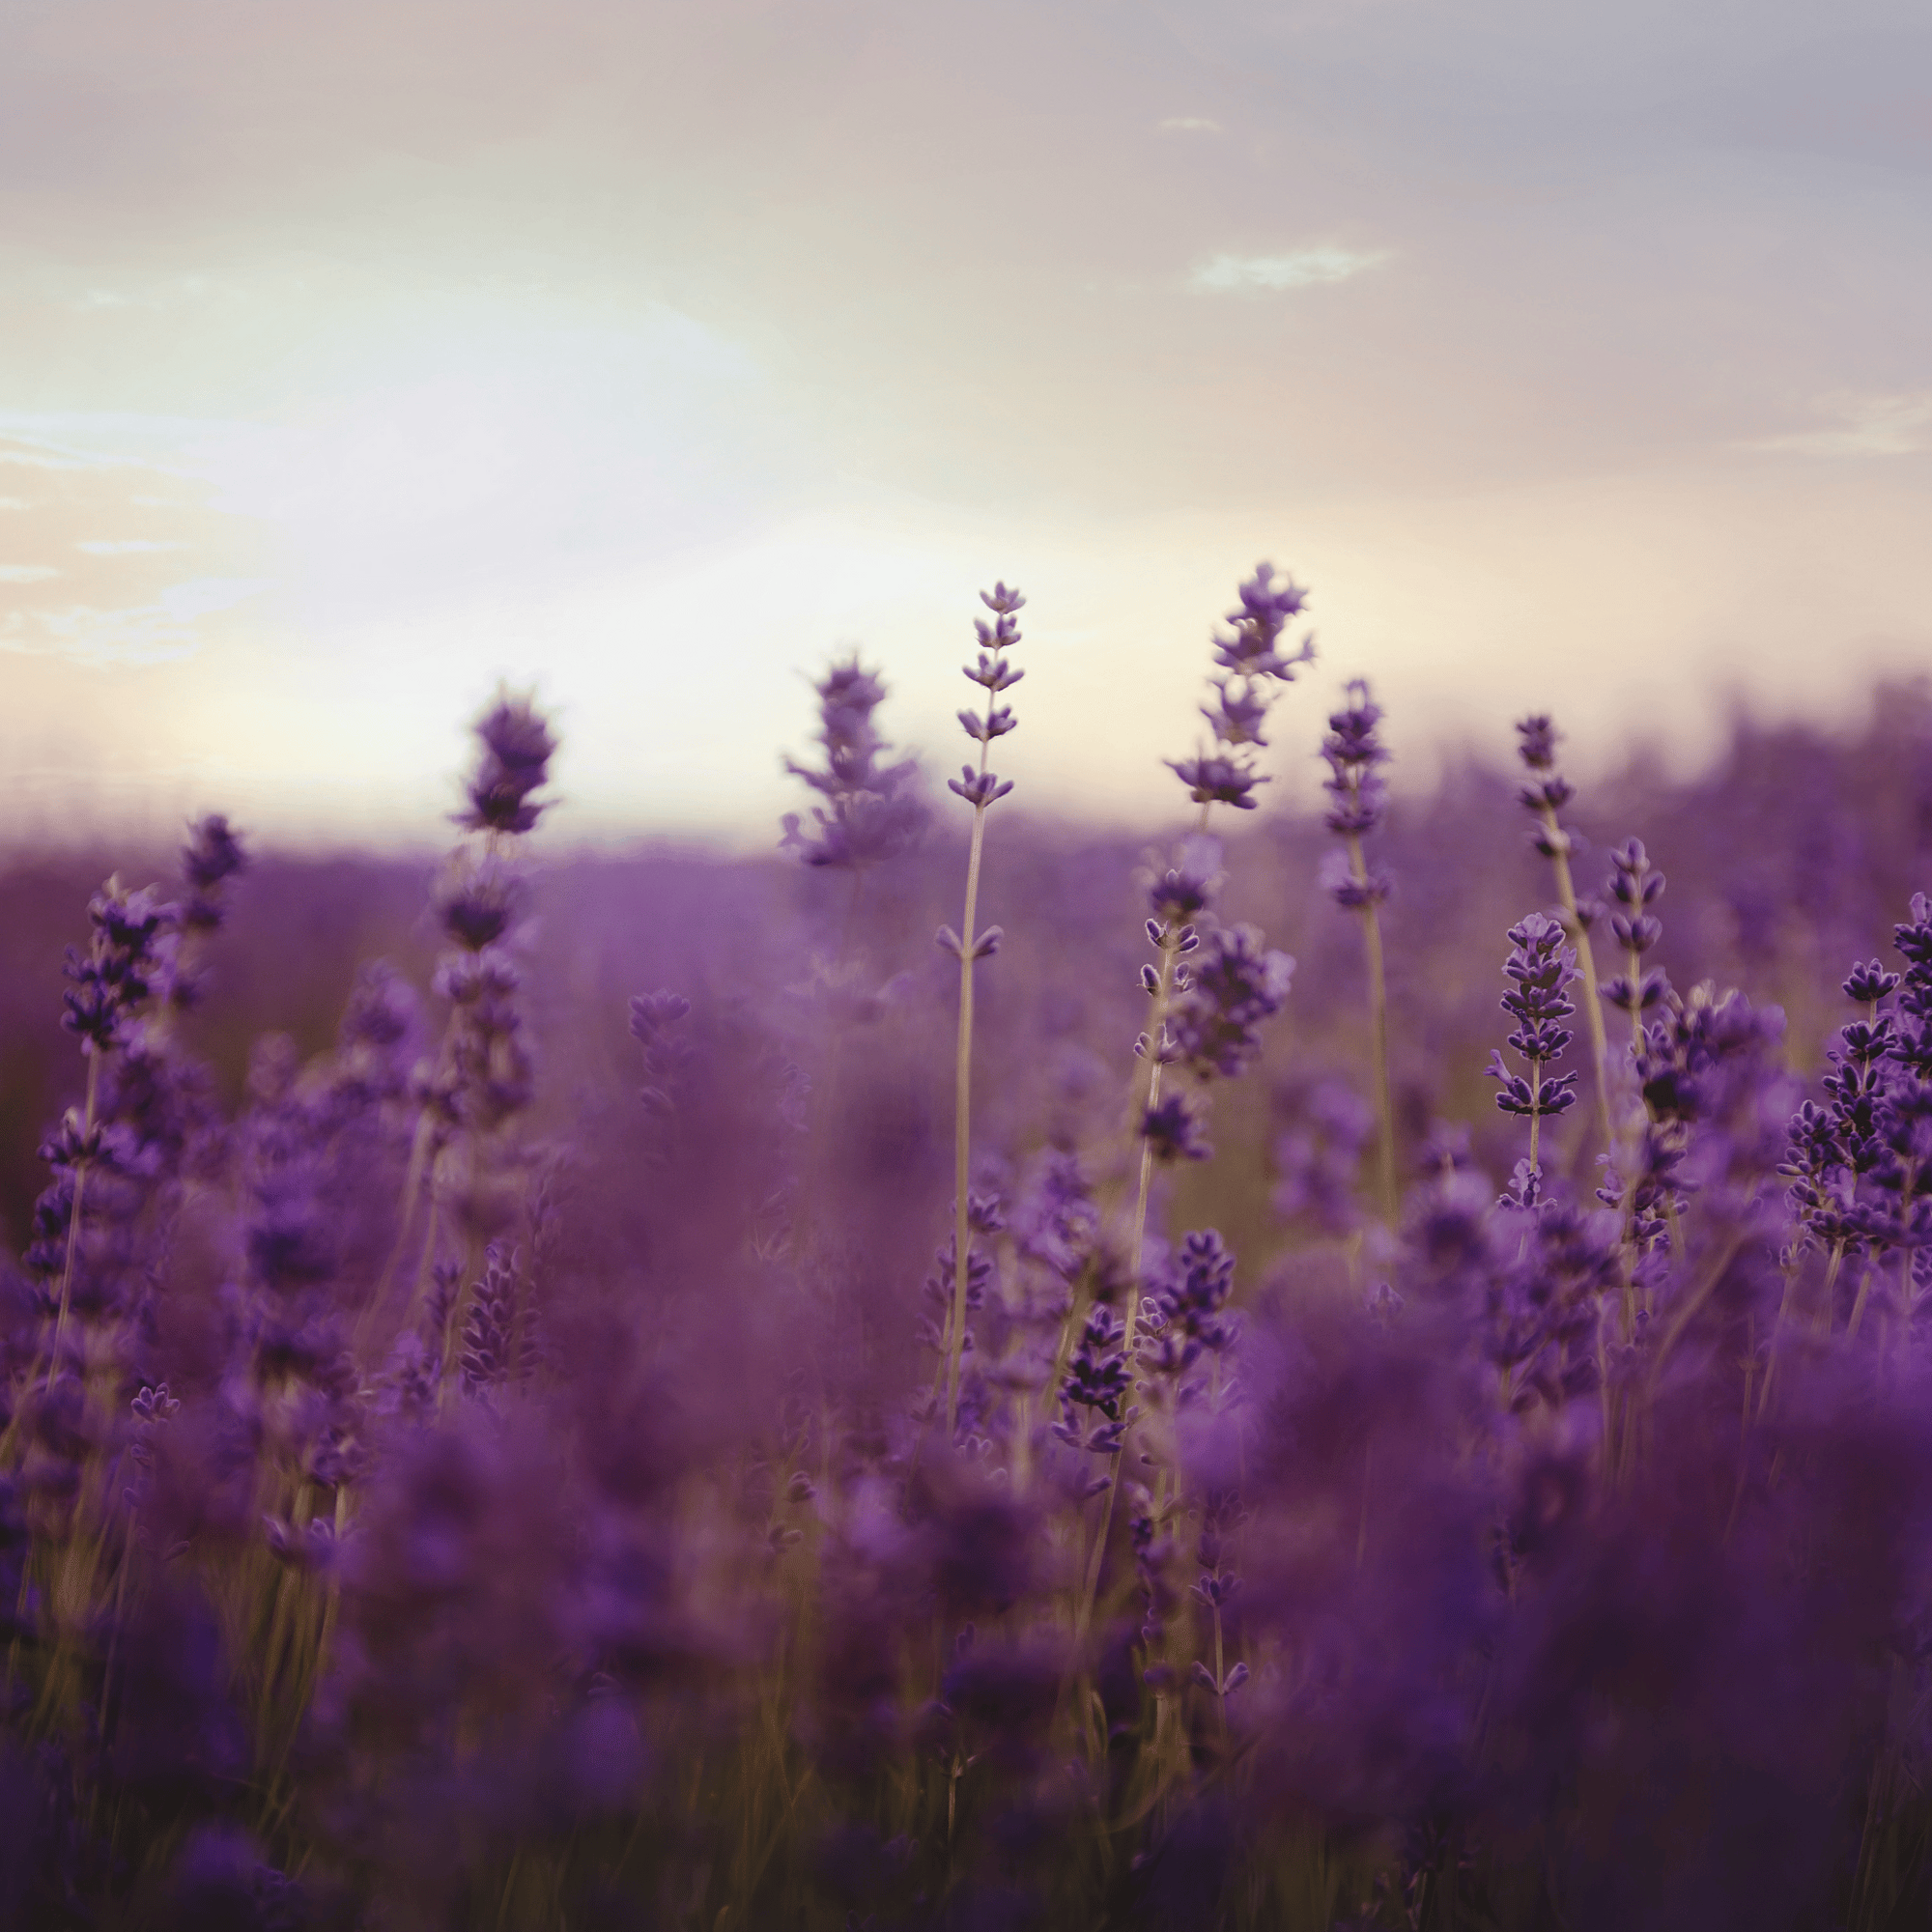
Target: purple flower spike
[(978, 788), (1353, 751), (1537, 746), (1257, 622), (517, 749), (1173, 1130), (1217, 780)]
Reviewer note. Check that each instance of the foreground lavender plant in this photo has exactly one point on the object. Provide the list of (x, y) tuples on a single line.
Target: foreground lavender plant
[(612, 1586), (978, 788)]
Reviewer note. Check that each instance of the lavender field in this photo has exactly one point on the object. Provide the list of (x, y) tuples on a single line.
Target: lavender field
[(1309, 1370)]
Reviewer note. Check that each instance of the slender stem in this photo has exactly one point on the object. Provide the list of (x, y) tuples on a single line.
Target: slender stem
[(1635, 972), (1858, 1304), (80, 1168), (1593, 1012), (1778, 1329), (1535, 1110), (962, 1121), (1372, 941), (1157, 1036)]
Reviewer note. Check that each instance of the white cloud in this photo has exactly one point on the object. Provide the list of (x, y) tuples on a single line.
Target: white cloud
[(1187, 123), (26, 572), (1892, 425), (124, 546), (144, 634), (1306, 268)]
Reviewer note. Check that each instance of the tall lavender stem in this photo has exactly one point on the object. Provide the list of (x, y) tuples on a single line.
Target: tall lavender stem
[(980, 789)]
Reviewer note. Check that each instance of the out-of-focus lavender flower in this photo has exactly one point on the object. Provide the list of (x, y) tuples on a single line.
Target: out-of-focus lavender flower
[(1250, 653), (212, 856), (127, 962), (1319, 1158), (870, 812), (1251, 647), (488, 1354), (1174, 1131), (1217, 780), (515, 751), (655, 1021), (1182, 893), (1234, 983), (1354, 753)]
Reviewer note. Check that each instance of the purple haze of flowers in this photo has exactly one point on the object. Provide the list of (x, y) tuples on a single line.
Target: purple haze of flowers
[(1319, 1158)]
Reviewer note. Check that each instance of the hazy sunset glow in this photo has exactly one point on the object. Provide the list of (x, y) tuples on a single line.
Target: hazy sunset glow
[(351, 359)]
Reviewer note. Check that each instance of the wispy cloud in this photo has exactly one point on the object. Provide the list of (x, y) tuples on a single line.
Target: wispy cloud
[(1884, 425), (1187, 123), (1305, 267), (124, 546), (25, 572), (143, 634)]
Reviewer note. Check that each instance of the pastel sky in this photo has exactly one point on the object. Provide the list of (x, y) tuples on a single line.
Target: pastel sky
[(354, 357)]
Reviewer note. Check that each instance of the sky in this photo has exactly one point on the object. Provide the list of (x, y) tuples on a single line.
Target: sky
[(355, 359)]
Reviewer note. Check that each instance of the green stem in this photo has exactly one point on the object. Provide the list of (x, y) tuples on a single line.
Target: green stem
[(962, 1119), (1372, 941), (74, 1219)]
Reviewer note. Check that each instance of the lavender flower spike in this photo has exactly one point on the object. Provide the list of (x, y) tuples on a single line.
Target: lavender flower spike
[(979, 789), (1252, 660), (1546, 794), (1541, 970), (1355, 752)]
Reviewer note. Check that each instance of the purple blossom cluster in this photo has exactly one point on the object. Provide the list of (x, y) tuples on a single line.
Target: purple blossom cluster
[(484, 1443)]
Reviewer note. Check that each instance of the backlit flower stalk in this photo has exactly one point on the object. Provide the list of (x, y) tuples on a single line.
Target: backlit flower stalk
[(1354, 753), (1250, 658), (979, 789), (1546, 794), (482, 1074), (126, 972)]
